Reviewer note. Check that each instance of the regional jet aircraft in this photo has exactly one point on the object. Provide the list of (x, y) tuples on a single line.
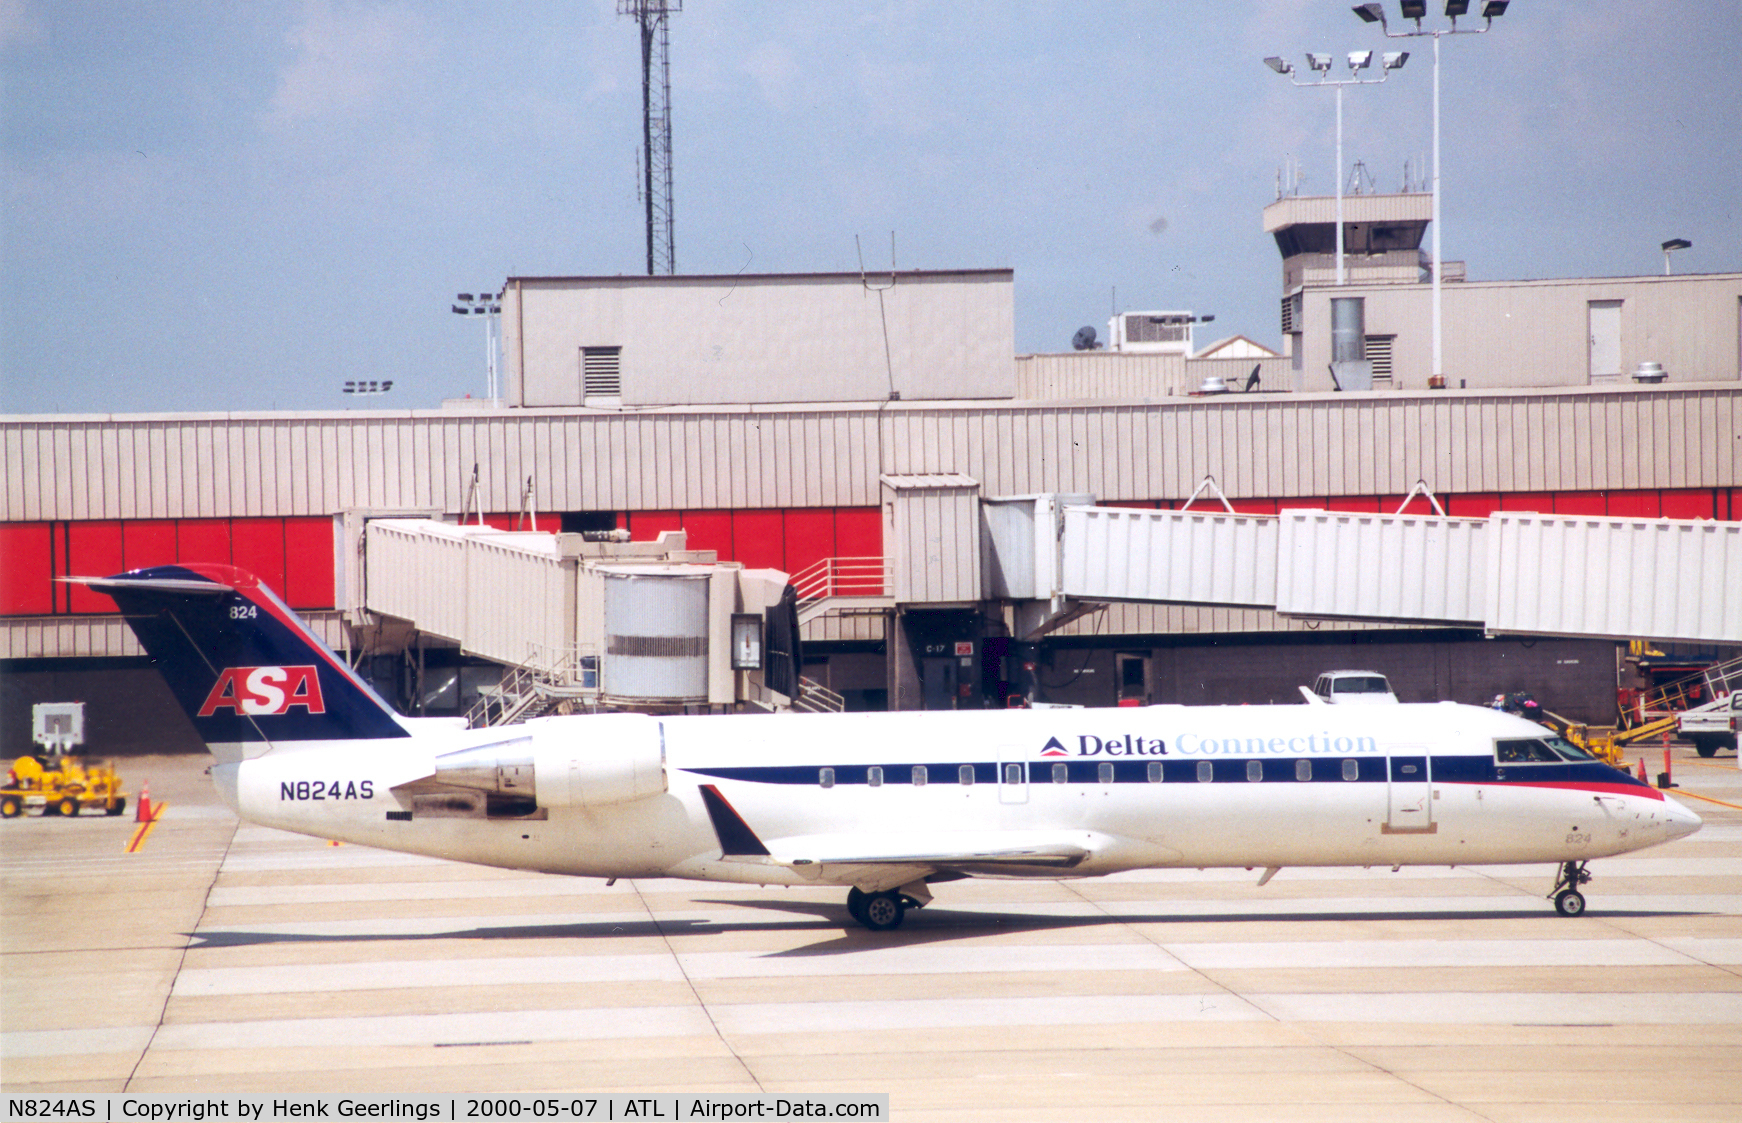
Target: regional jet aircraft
[(883, 805)]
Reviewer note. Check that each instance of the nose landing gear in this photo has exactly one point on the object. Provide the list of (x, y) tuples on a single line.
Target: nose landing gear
[(1568, 901)]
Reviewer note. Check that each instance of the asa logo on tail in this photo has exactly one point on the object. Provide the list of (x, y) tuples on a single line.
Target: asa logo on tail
[(265, 691)]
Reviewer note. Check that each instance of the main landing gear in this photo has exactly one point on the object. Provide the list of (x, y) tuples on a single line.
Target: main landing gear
[(1568, 901), (880, 912)]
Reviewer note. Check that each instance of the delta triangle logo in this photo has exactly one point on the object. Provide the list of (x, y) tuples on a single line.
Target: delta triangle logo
[(1053, 748)]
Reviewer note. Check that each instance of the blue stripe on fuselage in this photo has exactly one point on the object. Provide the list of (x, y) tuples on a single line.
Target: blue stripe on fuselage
[(1223, 770)]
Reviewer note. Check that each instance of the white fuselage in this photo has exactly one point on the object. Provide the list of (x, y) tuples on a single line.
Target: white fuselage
[(1160, 786)]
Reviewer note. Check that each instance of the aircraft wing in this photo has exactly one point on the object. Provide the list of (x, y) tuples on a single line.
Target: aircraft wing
[(876, 862), (889, 859)]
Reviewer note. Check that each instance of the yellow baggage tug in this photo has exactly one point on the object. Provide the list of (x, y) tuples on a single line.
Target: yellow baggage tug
[(55, 782)]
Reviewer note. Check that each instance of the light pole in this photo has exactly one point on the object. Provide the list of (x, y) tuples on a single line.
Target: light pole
[(1358, 61), (1670, 247), (1415, 10), (489, 306)]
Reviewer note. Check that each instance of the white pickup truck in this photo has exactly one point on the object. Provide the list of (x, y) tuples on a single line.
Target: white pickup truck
[(1713, 726)]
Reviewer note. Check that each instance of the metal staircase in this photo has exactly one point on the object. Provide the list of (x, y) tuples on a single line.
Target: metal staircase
[(1689, 693), (542, 685)]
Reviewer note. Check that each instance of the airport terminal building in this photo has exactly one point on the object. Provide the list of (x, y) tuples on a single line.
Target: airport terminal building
[(874, 440)]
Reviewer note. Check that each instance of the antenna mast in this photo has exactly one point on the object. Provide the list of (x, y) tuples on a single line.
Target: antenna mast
[(654, 16)]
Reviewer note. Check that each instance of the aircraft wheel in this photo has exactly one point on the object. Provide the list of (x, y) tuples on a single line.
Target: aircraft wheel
[(883, 911), (856, 905), (69, 807), (11, 807), (1569, 902)]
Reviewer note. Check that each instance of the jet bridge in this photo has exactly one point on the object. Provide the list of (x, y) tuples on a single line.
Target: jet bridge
[(1511, 573)]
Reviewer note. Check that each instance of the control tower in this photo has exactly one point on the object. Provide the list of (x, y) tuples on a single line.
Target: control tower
[(1382, 237)]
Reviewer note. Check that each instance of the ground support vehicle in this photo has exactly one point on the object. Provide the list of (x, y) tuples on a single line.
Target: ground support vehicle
[(1712, 726), (60, 786)]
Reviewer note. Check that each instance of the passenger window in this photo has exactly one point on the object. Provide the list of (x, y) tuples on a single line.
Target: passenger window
[(965, 774), (1013, 773), (1351, 770), (1155, 771), (1303, 770), (1254, 771), (874, 775), (1105, 771), (1061, 773), (919, 775), (826, 777), (1206, 772)]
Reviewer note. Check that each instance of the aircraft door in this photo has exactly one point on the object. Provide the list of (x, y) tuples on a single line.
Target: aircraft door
[(1411, 792)]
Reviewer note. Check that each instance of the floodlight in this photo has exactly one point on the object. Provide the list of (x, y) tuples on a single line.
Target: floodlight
[(1414, 9), (1394, 60), (465, 296), (1278, 65), (1320, 63), (1494, 8), (1370, 13), (1456, 8), (1360, 60), (1677, 244)]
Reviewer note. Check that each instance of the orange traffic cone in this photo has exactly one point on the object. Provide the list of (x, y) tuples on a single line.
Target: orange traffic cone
[(143, 813), (1642, 770)]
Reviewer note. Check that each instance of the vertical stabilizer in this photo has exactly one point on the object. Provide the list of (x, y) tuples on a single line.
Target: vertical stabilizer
[(243, 666)]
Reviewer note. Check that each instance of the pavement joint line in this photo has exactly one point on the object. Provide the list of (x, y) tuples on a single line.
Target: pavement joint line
[(701, 1003), (1204, 974), (180, 962)]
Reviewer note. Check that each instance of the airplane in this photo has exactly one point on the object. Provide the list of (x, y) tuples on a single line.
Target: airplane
[(884, 805)]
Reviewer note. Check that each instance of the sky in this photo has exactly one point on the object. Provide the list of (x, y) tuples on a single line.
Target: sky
[(222, 206)]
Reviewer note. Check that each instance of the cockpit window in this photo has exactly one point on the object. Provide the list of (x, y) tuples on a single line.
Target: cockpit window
[(1567, 749), (1538, 750)]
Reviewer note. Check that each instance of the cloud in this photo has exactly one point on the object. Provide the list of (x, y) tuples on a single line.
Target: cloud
[(346, 56)]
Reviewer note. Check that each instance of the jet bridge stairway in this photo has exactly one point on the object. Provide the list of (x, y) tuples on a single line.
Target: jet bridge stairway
[(536, 688), (843, 585)]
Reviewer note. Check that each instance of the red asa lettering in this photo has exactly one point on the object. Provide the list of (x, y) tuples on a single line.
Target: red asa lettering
[(265, 691)]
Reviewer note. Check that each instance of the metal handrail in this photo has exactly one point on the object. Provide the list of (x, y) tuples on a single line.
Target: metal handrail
[(843, 577), (1717, 680)]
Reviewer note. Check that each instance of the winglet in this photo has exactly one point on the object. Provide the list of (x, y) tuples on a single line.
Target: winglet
[(737, 840)]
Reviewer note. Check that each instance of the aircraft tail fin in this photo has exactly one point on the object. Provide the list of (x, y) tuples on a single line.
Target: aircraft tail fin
[(244, 667)]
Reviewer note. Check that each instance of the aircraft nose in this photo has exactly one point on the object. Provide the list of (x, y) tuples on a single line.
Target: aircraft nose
[(1682, 822)]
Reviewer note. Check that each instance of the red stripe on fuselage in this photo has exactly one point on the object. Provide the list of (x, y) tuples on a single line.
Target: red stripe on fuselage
[(1570, 785)]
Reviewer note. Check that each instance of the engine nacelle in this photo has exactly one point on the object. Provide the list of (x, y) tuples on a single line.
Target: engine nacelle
[(587, 761)]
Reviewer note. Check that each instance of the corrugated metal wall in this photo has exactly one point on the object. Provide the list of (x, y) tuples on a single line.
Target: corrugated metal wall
[(933, 535), (1382, 567), (1278, 446), (1092, 375), (497, 594), (1663, 578), (73, 637), (1182, 556)]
